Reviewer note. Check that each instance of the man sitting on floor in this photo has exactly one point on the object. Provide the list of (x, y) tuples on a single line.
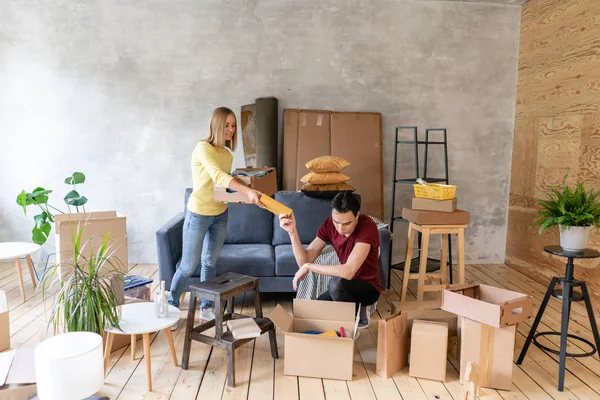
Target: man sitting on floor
[(355, 239)]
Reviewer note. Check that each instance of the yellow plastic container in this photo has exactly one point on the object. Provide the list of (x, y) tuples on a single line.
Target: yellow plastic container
[(435, 191)]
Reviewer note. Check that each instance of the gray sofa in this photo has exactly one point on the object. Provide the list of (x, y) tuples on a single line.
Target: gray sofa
[(255, 244)]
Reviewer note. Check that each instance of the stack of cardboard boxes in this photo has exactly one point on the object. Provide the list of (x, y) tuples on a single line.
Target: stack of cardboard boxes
[(482, 318)]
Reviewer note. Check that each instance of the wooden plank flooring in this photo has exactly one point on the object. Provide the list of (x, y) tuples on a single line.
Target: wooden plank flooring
[(260, 377)]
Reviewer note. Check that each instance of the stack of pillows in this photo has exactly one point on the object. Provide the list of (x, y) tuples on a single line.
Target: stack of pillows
[(325, 176)]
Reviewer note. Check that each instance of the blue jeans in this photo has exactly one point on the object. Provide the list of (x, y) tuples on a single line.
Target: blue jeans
[(203, 238)]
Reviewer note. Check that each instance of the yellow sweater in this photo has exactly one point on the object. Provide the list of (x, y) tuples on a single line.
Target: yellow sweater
[(210, 165)]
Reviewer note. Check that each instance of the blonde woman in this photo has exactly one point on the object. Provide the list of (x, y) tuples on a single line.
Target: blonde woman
[(205, 224)]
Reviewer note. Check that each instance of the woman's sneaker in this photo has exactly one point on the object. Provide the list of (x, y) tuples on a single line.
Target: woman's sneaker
[(207, 314)]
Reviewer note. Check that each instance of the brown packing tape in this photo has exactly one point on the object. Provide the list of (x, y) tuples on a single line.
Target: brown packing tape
[(486, 355)]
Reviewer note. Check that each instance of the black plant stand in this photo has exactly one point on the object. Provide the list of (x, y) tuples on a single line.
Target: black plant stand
[(567, 295)]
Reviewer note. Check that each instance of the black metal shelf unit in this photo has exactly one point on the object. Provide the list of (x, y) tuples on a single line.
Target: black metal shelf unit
[(432, 264)]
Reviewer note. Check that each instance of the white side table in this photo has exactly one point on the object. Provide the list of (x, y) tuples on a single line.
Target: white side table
[(16, 250), (140, 319)]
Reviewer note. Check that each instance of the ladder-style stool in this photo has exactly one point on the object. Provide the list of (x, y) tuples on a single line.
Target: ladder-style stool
[(426, 231)]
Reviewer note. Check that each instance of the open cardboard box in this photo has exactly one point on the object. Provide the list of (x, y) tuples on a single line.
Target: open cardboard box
[(17, 374), (487, 304), (4, 322), (265, 184), (313, 355), (97, 224)]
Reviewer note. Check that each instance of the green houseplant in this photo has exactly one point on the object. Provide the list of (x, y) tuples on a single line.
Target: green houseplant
[(39, 197), (85, 299), (574, 210)]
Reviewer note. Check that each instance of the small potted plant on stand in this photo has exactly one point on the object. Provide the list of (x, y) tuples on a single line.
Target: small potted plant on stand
[(574, 210)]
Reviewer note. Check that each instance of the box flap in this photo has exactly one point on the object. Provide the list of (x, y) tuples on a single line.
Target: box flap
[(282, 319), (59, 218), (324, 310), (22, 369), (6, 359), (356, 322), (3, 301)]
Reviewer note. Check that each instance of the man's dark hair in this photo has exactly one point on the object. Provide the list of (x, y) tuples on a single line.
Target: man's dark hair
[(344, 202)]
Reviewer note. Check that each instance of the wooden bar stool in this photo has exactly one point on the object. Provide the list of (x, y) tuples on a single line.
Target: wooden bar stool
[(426, 231)]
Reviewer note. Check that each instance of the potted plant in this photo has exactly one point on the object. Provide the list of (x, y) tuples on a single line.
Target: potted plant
[(85, 299), (574, 210), (39, 197)]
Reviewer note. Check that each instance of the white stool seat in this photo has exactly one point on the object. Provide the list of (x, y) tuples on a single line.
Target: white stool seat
[(69, 366)]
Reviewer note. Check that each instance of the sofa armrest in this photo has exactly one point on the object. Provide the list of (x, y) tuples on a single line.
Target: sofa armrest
[(384, 255), (169, 242)]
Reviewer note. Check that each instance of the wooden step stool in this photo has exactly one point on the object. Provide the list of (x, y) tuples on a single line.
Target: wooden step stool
[(426, 231)]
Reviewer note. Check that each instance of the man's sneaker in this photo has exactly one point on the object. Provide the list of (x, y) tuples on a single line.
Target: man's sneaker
[(364, 320), (207, 314), (175, 326)]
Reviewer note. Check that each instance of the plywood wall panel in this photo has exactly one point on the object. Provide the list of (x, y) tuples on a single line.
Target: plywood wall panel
[(557, 125)]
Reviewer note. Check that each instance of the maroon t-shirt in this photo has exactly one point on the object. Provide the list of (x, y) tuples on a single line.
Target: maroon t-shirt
[(365, 232)]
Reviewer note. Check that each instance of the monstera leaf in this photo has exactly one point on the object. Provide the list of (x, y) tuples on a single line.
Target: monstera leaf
[(73, 198), (75, 179)]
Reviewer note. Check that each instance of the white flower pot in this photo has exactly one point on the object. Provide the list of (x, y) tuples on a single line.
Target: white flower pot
[(574, 238)]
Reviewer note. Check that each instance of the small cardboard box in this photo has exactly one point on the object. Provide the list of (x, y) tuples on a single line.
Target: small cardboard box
[(447, 206), (491, 349), (428, 350), (427, 311), (17, 374), (487, 304), (265, 184), (4, 322), (98, 224), (313, 355), (421, 217)]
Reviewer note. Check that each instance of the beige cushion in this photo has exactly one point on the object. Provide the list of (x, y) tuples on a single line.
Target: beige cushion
[(324, 178), (330, 187), (327, 164)]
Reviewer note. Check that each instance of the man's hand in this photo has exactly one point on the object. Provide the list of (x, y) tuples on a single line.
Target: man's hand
[(254, 197), (288, 224), (301, 274)]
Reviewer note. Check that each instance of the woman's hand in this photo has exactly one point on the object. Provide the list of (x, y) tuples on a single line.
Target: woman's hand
[(301, 274), (254, 196), (288, 224)]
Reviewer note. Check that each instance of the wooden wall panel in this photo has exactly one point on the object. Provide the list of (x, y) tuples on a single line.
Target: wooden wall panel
[(557, 125)]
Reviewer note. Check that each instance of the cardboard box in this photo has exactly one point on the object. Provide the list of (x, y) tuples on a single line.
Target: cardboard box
[(266, 184), (487, 304), (17, 374), (356, 137), (312, 355), (428, 350), (434, 205), (314, 139), (427, 311), (491, 349), (421, 217), (290, 149), (4, 322), (98, 224)]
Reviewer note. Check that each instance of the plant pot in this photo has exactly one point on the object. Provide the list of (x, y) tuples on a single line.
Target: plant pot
[(574, 238)]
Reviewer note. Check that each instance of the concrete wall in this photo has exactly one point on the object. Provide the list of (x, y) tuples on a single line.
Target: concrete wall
[(122, 90)]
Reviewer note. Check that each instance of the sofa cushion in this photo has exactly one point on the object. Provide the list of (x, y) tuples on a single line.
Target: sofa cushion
[(249, 259), (249, 224), (310, 213), (246, 223), (285, 262)]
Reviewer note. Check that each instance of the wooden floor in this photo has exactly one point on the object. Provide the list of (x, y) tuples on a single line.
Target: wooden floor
[(260, 377)]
